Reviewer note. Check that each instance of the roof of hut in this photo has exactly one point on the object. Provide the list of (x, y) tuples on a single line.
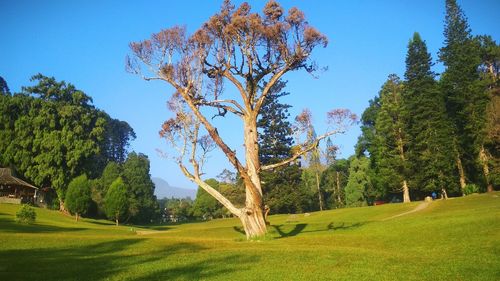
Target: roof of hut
[(6, 178)]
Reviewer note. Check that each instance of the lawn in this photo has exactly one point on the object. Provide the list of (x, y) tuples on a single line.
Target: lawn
[(456, 239)]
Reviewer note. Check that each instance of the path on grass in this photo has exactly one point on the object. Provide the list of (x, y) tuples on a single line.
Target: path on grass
[(418, 208)]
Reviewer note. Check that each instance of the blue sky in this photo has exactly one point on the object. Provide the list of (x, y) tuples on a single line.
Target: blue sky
[(85, 43)]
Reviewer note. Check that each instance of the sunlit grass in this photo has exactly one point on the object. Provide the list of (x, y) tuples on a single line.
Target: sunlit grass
[(457, 239)]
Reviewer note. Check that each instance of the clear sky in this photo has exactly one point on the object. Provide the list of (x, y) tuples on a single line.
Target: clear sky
[(85, 43)]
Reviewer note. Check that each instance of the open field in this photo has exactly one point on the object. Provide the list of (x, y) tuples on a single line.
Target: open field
[(457, 239)]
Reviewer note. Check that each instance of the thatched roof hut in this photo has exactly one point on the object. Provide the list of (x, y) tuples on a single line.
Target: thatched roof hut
[(14, 188)]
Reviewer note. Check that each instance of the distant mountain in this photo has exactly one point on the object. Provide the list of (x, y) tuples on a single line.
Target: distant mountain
[(163, 189)]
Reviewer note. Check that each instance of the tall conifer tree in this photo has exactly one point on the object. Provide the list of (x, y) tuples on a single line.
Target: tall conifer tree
[(391, 138), (281, 186), (431, 146), (465, 94)]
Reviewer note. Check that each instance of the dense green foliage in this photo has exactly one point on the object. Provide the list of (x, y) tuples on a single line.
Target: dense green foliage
[(432, 147), (51, 133), (116, 201), (26, 214), (449, 240), (333, 182), (143, 206), (359, 185), (78, 197), (465, 93), (391, 138), (205, 206)]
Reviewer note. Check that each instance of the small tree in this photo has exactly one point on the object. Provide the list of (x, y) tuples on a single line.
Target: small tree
[(358, 182), (78, 196), (116, 201)]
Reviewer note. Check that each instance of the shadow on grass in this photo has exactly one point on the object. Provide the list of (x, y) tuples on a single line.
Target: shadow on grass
[(284, 230), (204, 269), (110, 223), (298, 228), (239, 229), (10, 226), (343, 226), (99, 261)]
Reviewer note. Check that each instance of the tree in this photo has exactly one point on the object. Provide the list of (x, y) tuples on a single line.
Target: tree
[(358, 183), (78, 197), (118, 136), (250, 51), (314, 164), (281, 186), (4, 89), (116, 200), (206, 206), (366, 141), (330, 152), (392, 139), (431, 146), (490, 68), (143, 206), (227, 176), (465, 94), (334, 181)]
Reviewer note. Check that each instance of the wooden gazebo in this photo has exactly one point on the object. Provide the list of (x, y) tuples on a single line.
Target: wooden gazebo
[(14, 190)]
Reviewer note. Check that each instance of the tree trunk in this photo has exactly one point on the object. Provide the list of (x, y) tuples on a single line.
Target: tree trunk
[(320, 197), (406, 192), (62, 209), (252, 217), (461, 174), (76, 216), (116, 220), (444, 195), (339, 200), (253, 222), (486, 170)]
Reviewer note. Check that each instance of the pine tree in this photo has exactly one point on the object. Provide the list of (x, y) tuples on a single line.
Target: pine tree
[(281, 186), (391, 138), (465, 94), (358, 183), (490, 70), (430, 133)]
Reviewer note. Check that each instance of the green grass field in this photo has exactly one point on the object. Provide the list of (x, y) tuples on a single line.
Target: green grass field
[(457, 239)]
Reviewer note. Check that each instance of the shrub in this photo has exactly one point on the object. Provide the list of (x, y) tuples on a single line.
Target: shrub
[(26, 214), (471, 188)]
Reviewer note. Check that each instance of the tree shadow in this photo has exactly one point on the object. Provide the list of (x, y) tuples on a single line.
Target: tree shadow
[(343, 226), (298, 228), (204, 269), (11, 226), (98, 261), (90, 262), (239, 229), (110, 223)]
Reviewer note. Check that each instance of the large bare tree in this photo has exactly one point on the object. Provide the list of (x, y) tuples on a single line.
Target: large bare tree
[(252, 52)]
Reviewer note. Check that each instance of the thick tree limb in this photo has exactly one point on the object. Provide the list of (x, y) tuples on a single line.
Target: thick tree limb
[(212, 191)]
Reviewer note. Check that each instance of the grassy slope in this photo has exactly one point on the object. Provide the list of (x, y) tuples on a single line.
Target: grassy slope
[(456, 239)]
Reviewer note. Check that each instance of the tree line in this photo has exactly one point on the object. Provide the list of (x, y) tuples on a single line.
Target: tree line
[(53, 136), (424, 135)]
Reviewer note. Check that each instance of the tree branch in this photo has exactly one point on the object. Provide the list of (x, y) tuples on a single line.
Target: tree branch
[(271, 82), (212, 191), (303, 151)]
